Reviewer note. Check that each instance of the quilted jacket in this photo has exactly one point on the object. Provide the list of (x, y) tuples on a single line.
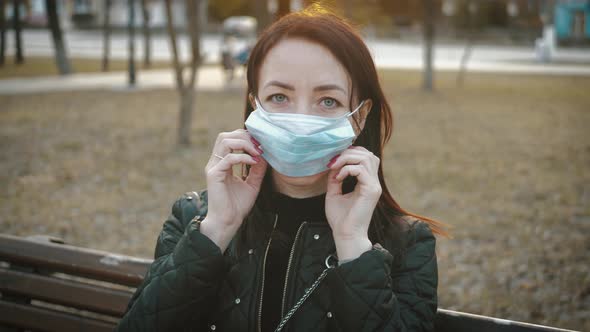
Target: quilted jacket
[(193, 286)]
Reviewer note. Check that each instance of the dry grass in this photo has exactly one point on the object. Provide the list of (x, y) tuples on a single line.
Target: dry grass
[(45, 66), (504, 160)]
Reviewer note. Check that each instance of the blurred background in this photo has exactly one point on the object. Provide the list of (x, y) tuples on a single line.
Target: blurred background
[(108, 111)]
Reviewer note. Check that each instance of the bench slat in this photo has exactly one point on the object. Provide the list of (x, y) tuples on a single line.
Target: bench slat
[(79, 295), (95, 264), (42, 319), (456, 321)]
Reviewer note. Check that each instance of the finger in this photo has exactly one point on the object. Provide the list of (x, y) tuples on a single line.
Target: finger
[(344, 159), (238, 133), (334, 186), (227, 145), (232, 159), (256, 174), (359, 148), (351, 157), (362, 151), (358, 171)]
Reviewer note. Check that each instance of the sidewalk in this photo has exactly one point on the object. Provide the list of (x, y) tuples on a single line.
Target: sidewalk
[(388, 54), (209, 78)]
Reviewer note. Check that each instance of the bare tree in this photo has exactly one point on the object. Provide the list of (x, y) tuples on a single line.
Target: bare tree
[(146, 34), (284, 8), (465, 58), (348, 7), (2, 32), (186, 89), (106, 35), (428, 30), (131, 33), (17, 31), (61, 57), (260, 9), (471, 12)]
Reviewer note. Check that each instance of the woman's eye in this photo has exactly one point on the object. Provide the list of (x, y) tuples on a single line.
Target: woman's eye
[(278, 98), (329, 102)]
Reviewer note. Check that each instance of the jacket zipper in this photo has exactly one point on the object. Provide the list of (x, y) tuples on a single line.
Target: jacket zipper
[(289, 267), (263, 274)]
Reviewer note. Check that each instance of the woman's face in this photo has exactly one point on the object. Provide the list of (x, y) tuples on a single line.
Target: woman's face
[(300, 76)]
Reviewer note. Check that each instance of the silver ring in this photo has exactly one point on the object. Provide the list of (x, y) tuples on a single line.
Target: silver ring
[(218, 156)]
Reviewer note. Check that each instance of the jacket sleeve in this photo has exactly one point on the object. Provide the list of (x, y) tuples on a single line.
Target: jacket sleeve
[(369, 295), (184, 277)]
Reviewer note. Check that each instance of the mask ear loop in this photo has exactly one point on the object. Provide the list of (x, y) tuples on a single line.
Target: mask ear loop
[(351, 113), (259, 105), (356, 109)]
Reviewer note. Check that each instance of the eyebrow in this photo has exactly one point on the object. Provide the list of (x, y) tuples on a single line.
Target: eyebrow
[(329, 87), (317, 88)]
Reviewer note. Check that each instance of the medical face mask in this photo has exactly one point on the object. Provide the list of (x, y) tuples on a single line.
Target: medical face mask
[(299, 144)]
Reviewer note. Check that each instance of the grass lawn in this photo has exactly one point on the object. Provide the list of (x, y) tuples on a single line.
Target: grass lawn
[(45, 66), (505, 161)]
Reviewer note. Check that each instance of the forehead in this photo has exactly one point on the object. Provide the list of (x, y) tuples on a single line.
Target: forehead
[(303, 64)]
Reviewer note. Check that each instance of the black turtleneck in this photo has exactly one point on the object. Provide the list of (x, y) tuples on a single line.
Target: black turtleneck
[(291, 213)]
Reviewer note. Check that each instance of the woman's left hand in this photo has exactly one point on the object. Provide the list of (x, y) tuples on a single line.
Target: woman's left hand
[(349, 215)]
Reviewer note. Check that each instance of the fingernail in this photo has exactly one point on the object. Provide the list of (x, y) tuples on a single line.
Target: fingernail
[(333, 160), (256, 159), (258, 148), (254, 141)]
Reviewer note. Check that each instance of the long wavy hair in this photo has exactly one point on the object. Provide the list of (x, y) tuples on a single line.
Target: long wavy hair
[(321, 26)]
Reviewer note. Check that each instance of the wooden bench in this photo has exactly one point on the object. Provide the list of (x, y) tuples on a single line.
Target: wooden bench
[(46, 285), (50, 286)]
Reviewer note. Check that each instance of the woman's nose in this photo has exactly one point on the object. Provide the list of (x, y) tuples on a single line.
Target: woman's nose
[(304, 107)]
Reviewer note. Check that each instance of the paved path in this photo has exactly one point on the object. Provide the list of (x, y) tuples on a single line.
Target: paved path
[(210, 78), (387, 54)]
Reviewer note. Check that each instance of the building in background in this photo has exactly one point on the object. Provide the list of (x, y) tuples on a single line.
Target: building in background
[(572, 22), (89, 14), (521, 21)]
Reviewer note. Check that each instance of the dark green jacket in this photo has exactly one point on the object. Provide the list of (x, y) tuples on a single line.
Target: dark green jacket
[(192, 286)]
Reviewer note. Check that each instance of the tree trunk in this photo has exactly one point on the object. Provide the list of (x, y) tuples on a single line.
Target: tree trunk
[(131, 32), (173, 46), (467, 51), (106, 30), (188, 93), (284, 8), (17, 31), (187, 100), (464, 60), (194, 30), (428, 30), (61, 57), (260, 8), (186, 90), (348, 9), (2, 32), (146, 34)]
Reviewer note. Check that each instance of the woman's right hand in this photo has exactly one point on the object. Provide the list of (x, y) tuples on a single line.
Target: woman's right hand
[(230, 198)]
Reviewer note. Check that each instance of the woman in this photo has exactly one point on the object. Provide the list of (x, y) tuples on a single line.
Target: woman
[(308, 238)]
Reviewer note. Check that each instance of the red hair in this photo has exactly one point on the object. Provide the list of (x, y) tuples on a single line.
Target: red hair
[(317, 25)]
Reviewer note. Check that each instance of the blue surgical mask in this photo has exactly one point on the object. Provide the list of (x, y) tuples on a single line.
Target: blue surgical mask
[(299, 144)]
